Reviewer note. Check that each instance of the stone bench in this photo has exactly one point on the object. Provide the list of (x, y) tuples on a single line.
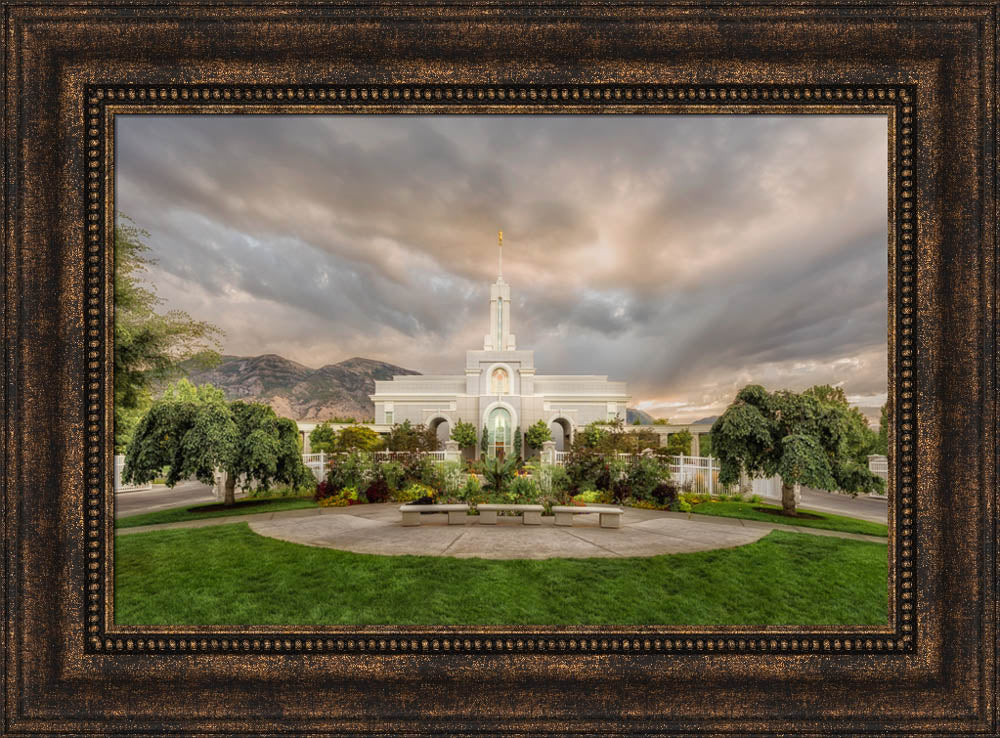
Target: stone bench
[(530, 514), (611, 517), (412, 513)]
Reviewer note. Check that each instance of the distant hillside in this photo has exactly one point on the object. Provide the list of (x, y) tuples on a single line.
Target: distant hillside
[(633, 413), (298, 392)]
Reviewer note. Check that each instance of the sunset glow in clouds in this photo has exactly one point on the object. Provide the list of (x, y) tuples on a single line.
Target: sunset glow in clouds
[(687, 255)]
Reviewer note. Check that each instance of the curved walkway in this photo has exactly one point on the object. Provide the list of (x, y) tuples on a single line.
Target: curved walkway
[(376, 529)]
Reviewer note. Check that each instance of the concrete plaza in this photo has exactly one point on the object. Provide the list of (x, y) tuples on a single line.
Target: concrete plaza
[(377, 529)]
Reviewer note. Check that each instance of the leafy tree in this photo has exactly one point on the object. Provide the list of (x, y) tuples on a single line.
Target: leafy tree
[(882, 442), (150, 346), (323, 438), (634, 442), (464, 434), (538, 434), (809, 438), (661, 421), (679, 443), (184, 391), (484, 442), (517, 443), (358, 437), (408, 437), (592, 436), (860, 440), (244, 439), (705, 444)]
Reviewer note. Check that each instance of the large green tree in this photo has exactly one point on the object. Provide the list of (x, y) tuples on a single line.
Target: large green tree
[(150, 346), (464, 434), (408, 437), (537, 434), (813, 439), (358, 438), (882, 444), (183, 390), (193, 439), (679, 443), (323, 438)]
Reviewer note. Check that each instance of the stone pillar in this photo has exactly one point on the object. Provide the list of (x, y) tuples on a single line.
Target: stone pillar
[(696, 444), (451, 451), (548, 452)]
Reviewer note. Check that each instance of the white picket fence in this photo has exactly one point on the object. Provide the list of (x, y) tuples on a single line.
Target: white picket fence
[(316, 464), (119, 487), (879, 464), (391, 455)]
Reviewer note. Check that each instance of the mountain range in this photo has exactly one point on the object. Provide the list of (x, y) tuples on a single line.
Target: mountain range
[(300, 392), (297, 391)]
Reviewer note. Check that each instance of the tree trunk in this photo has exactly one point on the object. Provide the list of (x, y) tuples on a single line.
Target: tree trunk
[(791, 495), (230, 489)]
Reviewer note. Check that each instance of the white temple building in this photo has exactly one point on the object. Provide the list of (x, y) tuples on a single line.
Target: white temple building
[(499, 390)]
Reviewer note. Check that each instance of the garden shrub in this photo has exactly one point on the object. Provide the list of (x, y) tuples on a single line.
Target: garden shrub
[(453, 478), (378, 490), (664, 494), (324, 490), (645, 475), (592, 497), (523, 491), (472, 489), (433, 476), (414, 492), (393, 473), (355, 469), (346, 496), (587, 469)]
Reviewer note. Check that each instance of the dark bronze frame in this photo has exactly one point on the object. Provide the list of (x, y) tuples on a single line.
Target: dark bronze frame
[(68, 69)]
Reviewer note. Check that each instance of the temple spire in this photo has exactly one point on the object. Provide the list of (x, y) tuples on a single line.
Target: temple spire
[(499, 338)]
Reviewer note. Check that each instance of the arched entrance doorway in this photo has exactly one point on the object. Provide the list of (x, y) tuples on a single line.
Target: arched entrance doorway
[(442, 429), (500, 429), (562, 433)]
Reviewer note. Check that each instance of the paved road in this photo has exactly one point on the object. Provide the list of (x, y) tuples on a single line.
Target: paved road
[(161, 498), (861, 507)]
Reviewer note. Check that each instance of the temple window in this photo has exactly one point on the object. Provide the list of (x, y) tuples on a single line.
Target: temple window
[(499, 382)]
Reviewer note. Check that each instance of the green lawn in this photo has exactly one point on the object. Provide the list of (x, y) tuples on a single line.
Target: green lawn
[(746, 511), (228, 575), (242, 507)]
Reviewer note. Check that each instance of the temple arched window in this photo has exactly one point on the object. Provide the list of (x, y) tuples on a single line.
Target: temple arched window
[(499, 382), (499, 427)]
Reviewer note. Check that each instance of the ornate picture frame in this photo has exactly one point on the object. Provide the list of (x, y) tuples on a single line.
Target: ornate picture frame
[(69, 69)]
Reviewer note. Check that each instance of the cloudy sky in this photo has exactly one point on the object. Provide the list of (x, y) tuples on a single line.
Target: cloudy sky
[(687, 255)]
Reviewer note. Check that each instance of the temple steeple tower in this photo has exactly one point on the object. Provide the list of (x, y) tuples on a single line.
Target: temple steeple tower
[(499, 338)]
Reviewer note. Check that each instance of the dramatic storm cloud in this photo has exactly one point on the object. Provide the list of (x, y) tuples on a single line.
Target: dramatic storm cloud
[(687, 255)]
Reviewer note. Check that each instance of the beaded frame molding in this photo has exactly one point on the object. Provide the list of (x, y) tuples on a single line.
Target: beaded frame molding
[(70, 66), (895, 103)]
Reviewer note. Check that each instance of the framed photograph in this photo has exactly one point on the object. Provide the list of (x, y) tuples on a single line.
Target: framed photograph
[(473, 370)]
